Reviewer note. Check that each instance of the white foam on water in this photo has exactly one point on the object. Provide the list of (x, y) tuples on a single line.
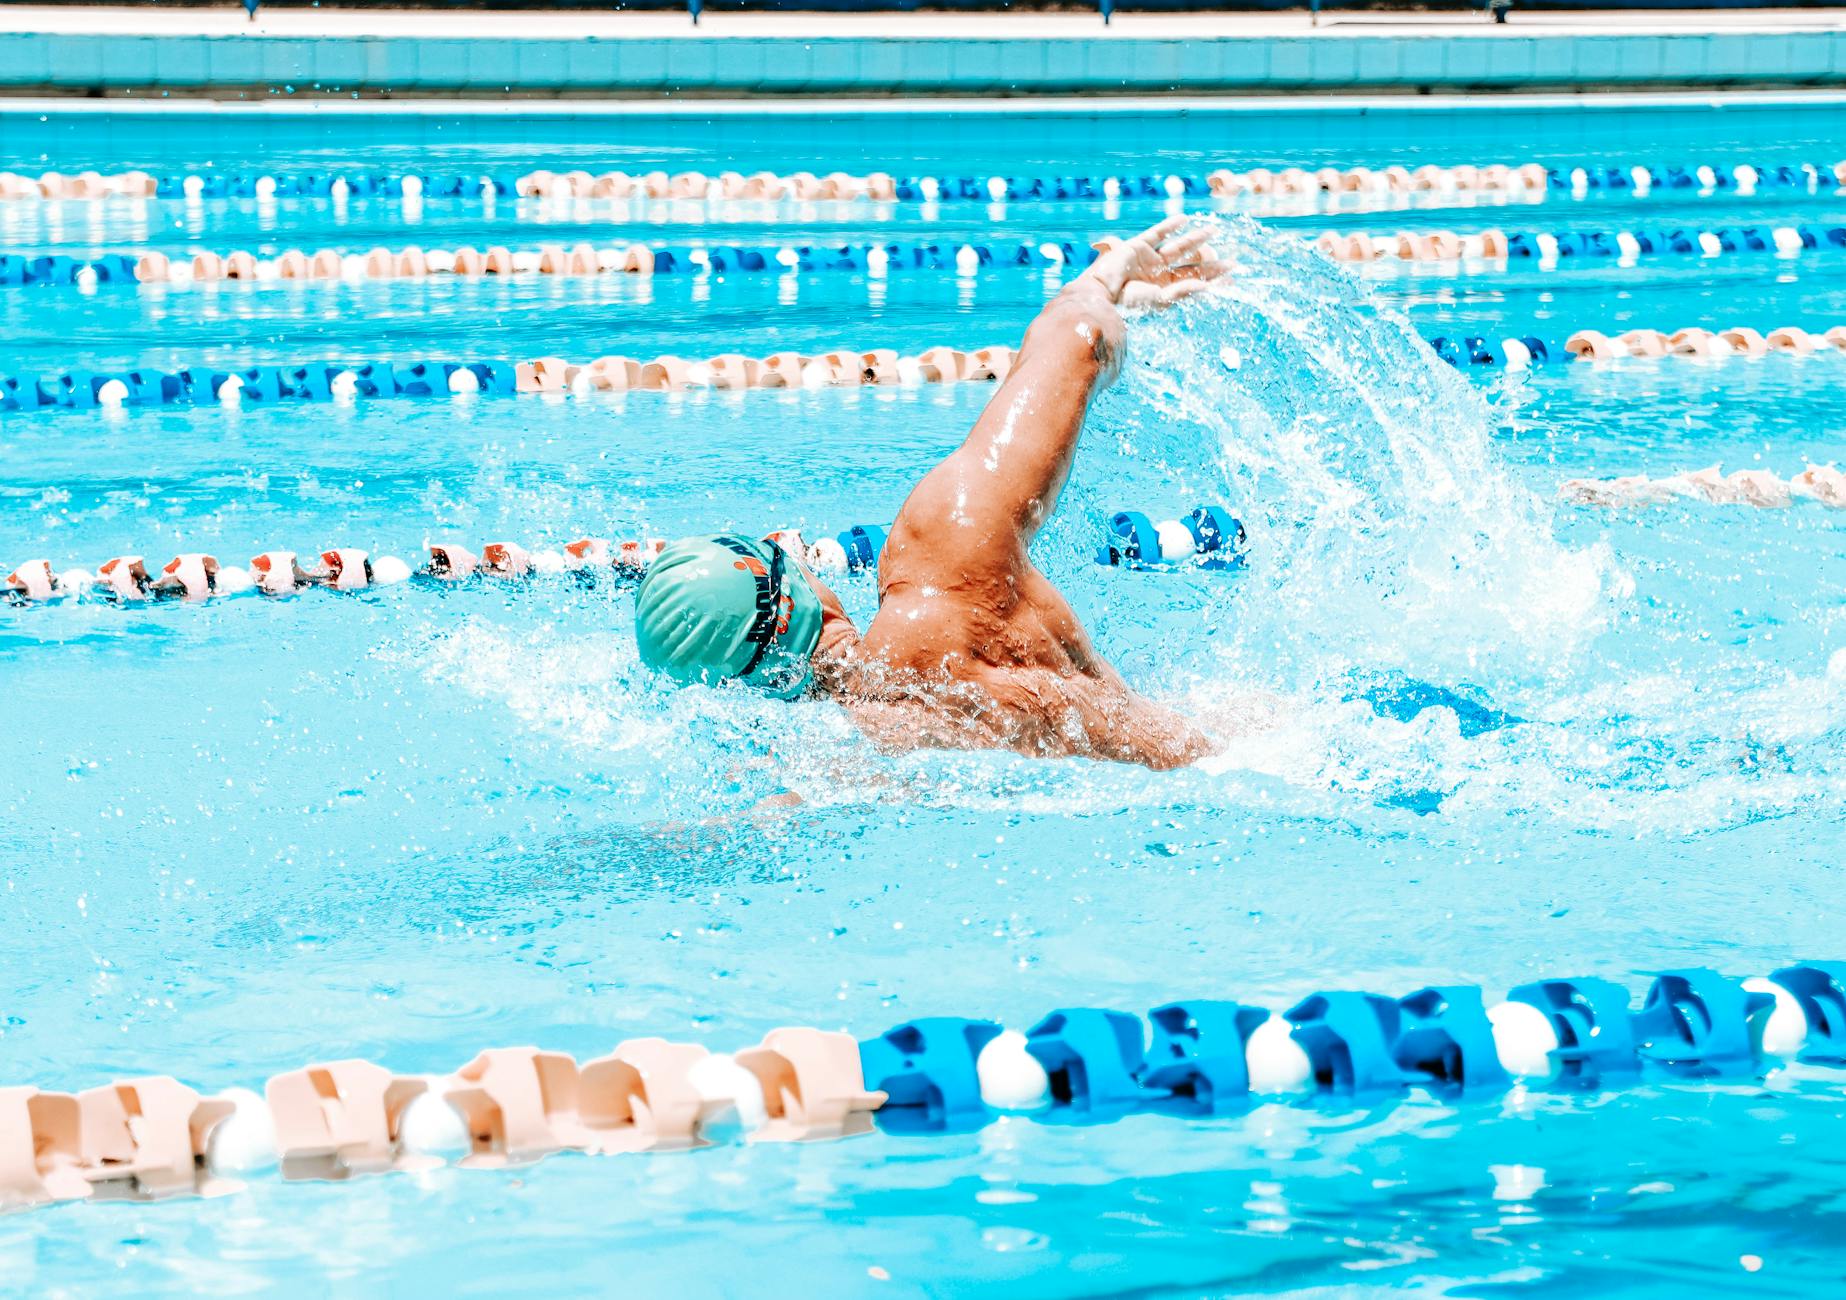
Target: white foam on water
[(553, 680)]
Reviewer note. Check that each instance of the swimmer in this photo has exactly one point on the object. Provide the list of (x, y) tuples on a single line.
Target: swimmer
[(972, 647)]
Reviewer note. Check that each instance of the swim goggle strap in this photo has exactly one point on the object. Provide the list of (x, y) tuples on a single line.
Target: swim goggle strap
[(768, 581)]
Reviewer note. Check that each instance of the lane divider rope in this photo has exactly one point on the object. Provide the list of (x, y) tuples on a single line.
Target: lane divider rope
[(1211, 537), (334, 381), (841, 367), (1745, 487), (1498, 249), (1533, 180), (582, 259), (1491, 250), (330, 381), (154, 1136), (1742, 179), (1692, 343)]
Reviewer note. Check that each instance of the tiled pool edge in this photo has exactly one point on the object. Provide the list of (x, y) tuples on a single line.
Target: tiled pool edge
[(111, 63)]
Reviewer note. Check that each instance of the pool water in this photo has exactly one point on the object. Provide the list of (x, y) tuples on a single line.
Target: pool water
[(1476, 735)]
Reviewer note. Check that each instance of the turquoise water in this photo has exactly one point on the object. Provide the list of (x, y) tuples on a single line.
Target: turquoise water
[(407, 825)]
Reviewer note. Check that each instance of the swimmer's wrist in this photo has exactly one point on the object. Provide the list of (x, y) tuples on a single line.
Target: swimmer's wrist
[(1101, 324), (1103, 282), (1093, 298)]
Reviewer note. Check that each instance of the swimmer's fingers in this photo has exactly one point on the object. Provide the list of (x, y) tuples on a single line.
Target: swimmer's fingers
[(1142, 258), (1156, 234), (1162, 293), (1181, 289), (1181, 247), (1185, 289), (1152, 239), (1207, 269), (1118, 262), (1202, 270)]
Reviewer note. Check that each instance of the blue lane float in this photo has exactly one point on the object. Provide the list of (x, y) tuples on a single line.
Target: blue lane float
[(1477, 350), (1808, 177), (255, 385), (1197, 1053), (862, 544), (929, 1071), (1208, 1057), (1211, 537)]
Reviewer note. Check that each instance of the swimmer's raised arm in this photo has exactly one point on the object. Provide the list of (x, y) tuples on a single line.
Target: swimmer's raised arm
[(982, 505), (972, 647)]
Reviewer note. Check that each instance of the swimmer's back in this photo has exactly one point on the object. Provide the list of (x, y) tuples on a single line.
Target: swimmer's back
[(1006, 667)]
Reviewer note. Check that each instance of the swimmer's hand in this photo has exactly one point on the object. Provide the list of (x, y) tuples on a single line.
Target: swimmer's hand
[(1157, 267)]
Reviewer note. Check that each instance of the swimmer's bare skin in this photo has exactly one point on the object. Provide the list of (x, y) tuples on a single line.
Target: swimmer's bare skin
[(972, 647)]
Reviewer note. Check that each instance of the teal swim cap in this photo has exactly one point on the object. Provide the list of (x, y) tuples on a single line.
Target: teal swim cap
[(714, 608)]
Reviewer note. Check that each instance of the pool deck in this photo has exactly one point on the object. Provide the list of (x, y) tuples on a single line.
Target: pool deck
[(218, 53)]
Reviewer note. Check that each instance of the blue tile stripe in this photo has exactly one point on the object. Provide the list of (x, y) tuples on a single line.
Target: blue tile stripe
[(1116, 64)]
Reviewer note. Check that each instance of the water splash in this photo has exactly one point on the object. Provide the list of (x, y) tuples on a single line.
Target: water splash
[(1412, 635), (1385, 534)]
